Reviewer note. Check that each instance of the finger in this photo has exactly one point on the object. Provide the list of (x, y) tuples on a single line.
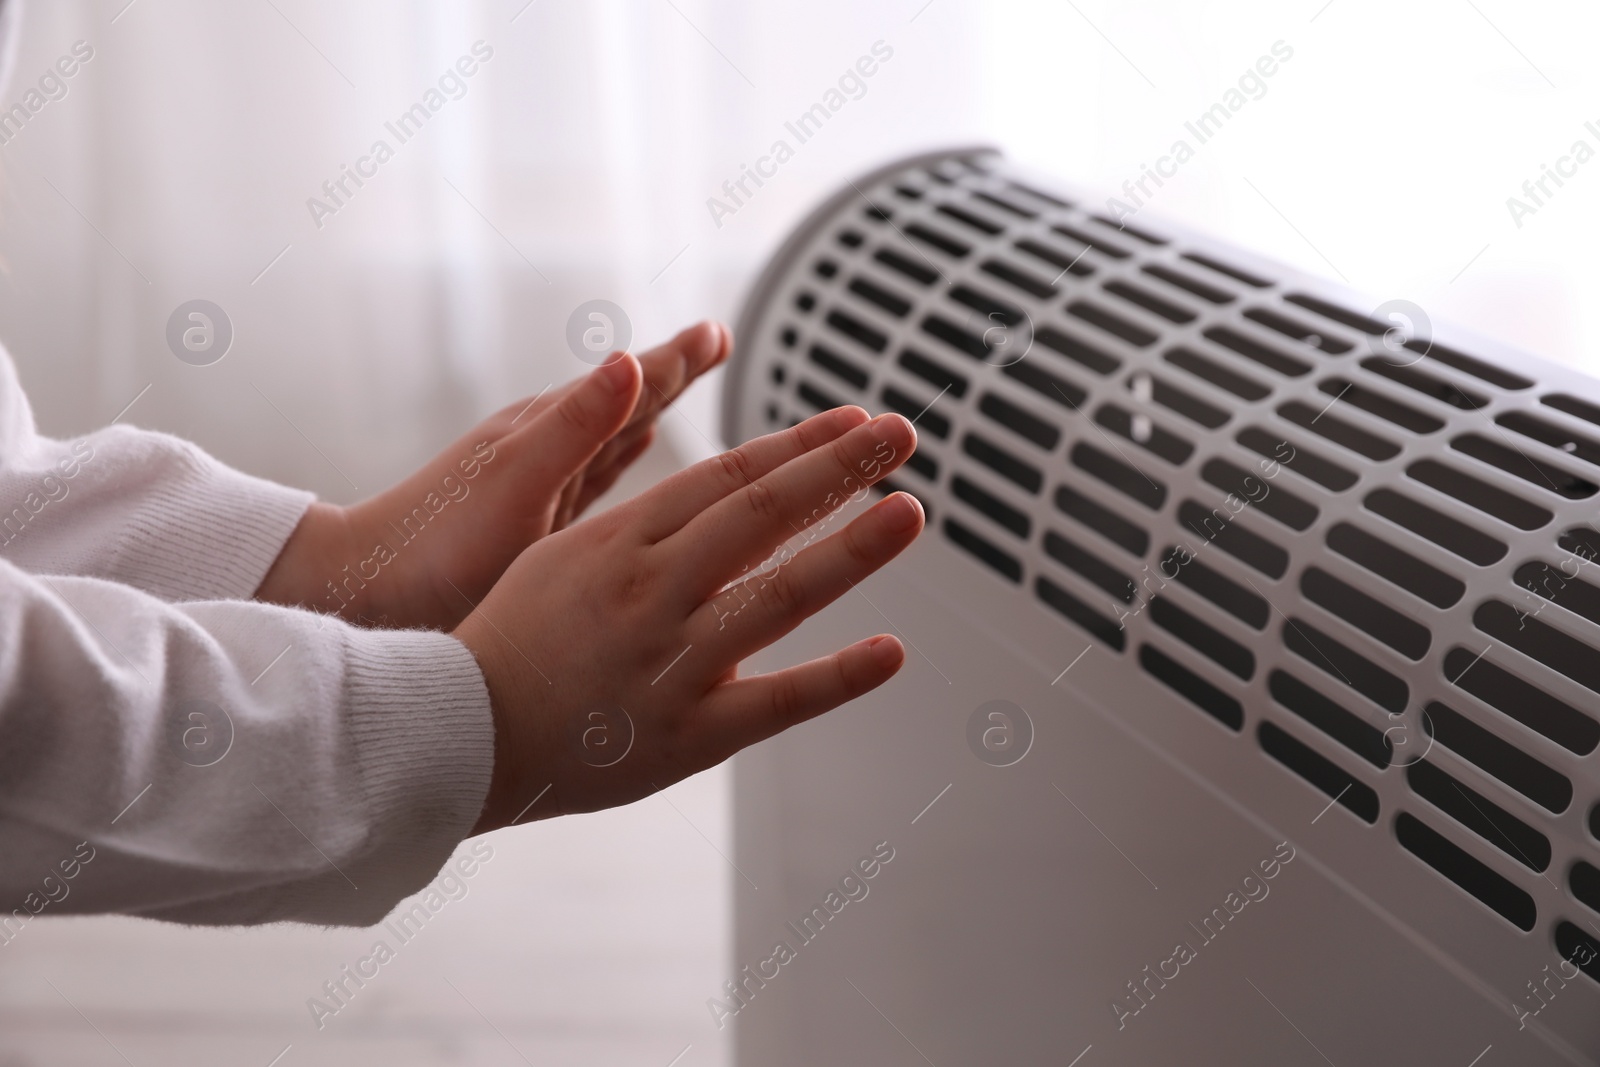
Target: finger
[(678, 499), (756, 612), (671, 368), (596, 483), (560, 440), (744, 526), (737, 714)]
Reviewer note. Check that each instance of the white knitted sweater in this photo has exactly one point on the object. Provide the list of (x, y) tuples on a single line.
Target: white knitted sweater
[(217, 760)]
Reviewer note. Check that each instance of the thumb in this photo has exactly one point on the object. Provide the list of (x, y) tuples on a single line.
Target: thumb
[(560, 440)]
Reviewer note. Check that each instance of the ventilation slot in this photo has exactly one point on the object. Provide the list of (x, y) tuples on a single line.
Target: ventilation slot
[(1008, 206), (1444, 531), (1204, 638), (1345, 727), (1582, 409), (1297, 330), (1181, 401), (985, 551), (1103, 521), (1122, 227), (919, 272), (923, 464), (817, 398), (826, 268), (1547, 788), (1218, 375), (1189, 284), (1531, 706), (1019, 421), (1337, 314), (891, 302), (1530, 470), (1339, 431), (858, 331), (876, 213), (1350, 667), (1048, 385), (1426, 384), (1280, 504), (1561, 653), (1585, 883), (1130, 481), (1058, 259), (1548, 433), (1217, 526), (851, 238), (1018, 278), (991, 506), (1481, 495), (1116, 325), (1099, 244), (990, 308), (1582, 541), (933, 372), (1003, 463), (1220, 267), (1480, 815), (1098, 625), (1147, 435), (1224, 592), (1252, 349), (1193, 688), (1089, 566), (1037, 194), (1395, 566), (1301, 460), (917, 410), (1144, 298), (1080, 352), (935, 239), (1402, 415), (1497, 893), (968, 344), (838, 366), (1574, 594), (1578, 947), (1323, 774), (1367, 614), (971, 219)]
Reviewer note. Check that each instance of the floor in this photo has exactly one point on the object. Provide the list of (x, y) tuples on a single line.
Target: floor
[(591, 940)]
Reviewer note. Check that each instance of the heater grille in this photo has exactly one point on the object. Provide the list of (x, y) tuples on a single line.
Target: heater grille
[(1217, 471)]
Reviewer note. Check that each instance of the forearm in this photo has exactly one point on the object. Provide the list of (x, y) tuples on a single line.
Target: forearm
[(229, 762)]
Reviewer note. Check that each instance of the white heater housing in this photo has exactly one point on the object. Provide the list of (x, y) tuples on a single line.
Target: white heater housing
[(1253, 686)]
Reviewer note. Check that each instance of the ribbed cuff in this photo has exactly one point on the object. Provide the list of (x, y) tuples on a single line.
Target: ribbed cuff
[(213, 535), (417, 713)]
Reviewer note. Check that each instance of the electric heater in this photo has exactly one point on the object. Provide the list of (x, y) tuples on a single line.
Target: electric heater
[(1253, 679)]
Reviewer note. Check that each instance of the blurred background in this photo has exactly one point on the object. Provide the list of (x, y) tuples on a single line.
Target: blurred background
[(577, 164)]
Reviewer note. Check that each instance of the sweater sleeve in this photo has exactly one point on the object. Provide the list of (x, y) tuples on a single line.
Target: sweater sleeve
[(135, 506), (225, 762)]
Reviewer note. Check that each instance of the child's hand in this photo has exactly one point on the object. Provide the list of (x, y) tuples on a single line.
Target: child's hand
[(423, 552), (611, 649)]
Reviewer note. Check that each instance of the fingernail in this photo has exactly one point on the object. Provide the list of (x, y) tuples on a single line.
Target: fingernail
[(617, 374), (886, 651), (901, 512), (894, 429)]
